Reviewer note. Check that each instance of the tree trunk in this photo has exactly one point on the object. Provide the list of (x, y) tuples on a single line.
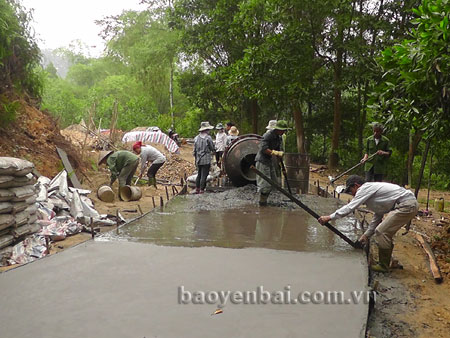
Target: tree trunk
[(422, 166), (299, 129), (414, 140), (254, 113), (171, 95), (334, 159)]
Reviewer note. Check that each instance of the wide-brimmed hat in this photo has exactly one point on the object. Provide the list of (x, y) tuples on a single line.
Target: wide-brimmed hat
[(205, 126), (219, 126), (233, 131), (103, 156), (281, 125), (271, 124)]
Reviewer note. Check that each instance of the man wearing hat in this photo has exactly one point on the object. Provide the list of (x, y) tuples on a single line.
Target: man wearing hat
[(122, 164), (221, 143), (382, 198), (270, 126), (203, 147), (377, 143), (233, 134), (267, 159)]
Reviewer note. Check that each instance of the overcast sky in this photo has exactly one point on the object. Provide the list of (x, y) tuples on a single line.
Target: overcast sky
[(58, 22)]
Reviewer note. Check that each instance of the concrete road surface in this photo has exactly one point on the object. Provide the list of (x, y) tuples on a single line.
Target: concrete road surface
[(125, 289)]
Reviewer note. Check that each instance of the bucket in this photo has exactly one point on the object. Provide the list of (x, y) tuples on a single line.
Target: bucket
[(130, 193), (105, 194), (297, 171), (238, 158), (439, 204)]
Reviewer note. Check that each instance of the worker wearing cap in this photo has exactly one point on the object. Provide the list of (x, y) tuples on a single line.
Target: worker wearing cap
[(375, 168), (269, 150), (122, 165), (148, 155), (382, 198)]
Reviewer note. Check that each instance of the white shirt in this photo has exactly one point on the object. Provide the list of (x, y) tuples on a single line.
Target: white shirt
[(380, 197), (221, 141), (151, 154)]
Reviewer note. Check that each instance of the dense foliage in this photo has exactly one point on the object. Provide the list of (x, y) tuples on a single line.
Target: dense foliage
[(19, 57), (329, 67)]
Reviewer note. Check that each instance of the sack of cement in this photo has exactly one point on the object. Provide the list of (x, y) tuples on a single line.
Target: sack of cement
[(21, 218), (6, 240), (26, 229), (6, 221), (31, 200), (22, 193), (6, 195), (33, 218), (5, 181), (16, 181), (18, 206), (31, 209), (5, 207), (15, 166)]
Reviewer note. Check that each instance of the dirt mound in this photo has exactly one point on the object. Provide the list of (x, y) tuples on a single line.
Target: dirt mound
[(175, 168), (34, 136)]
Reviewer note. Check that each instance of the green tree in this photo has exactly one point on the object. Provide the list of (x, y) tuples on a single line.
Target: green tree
[(414, 93)]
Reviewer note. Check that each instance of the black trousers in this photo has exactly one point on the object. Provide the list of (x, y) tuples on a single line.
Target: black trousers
[(153, 169), (218, 155), (371, 177), (202, 175)]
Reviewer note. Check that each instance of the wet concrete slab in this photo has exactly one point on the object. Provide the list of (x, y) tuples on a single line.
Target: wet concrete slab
[(124, 289), (197, 221)]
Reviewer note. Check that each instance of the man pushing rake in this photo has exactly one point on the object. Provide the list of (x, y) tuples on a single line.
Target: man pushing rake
[(397, 203)]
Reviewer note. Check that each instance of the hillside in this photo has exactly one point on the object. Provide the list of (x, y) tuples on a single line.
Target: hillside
[(34, 136)]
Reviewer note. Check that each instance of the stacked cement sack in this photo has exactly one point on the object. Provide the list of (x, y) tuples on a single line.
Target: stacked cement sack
[(18, 211)]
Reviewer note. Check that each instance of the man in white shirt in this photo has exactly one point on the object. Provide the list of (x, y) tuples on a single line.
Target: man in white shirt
[(382, 198), (151, 155)]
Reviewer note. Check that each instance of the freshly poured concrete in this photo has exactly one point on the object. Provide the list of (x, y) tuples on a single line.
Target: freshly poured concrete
[(123, 289), (126, 286)]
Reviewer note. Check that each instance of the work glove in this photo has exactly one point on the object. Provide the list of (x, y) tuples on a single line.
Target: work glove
[(278, 153)]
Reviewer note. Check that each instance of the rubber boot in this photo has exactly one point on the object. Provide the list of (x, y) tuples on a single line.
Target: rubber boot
[(263, 199), (384, 260), (152, 181)]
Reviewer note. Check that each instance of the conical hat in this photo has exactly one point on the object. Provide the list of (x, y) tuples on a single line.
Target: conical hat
[(103, 156)]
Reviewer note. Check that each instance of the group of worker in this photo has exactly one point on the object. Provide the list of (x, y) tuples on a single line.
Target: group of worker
[(123, 164), (399, 204)]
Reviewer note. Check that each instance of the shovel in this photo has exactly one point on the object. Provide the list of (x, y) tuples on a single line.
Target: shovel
[(283, 169), (332, 180)]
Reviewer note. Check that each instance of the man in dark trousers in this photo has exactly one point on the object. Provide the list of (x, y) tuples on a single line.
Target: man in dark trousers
[(375, 168), (203, 148), (267, 159)]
